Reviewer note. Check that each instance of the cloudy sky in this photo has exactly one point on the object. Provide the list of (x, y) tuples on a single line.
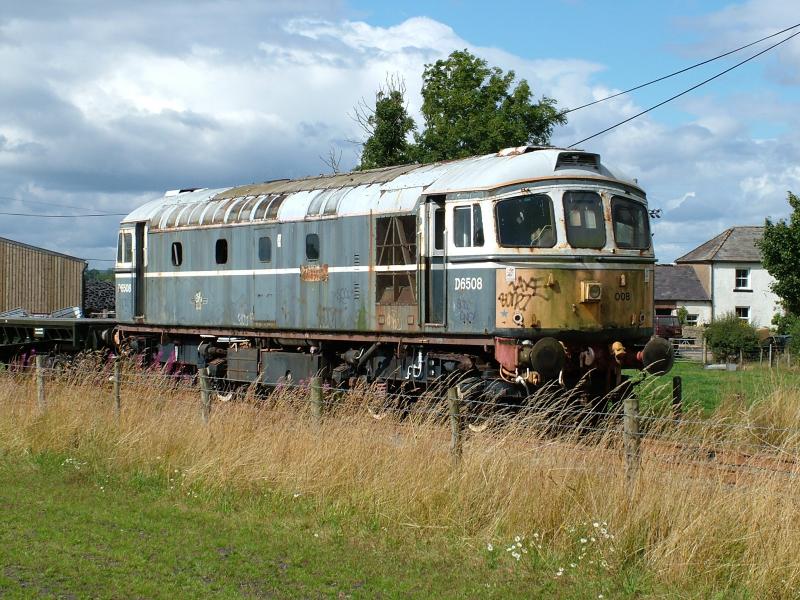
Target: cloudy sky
[(105, 105)]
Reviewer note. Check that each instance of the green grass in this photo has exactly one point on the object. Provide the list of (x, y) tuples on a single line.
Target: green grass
[(705, 389), (68, 529)]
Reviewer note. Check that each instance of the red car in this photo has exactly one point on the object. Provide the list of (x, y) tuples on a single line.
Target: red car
[(668, 326)]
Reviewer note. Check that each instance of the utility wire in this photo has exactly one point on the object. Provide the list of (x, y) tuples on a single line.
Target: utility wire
[(13, 214), (694, 66), (29, 201), (694, 87)]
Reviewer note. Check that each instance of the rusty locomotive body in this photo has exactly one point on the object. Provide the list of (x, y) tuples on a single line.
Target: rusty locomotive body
[(515, 269)]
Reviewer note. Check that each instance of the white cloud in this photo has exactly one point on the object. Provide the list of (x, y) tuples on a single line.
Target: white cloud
[(103, 115)]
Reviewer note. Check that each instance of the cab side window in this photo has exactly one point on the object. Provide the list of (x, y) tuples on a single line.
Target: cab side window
[(467, 226)]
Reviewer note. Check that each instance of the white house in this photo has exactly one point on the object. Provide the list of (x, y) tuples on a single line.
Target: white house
[(729, 269)]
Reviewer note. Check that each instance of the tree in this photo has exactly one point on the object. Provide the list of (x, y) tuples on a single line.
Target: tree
[(780, 253), (470, 109), (683, 314), (388, 126)]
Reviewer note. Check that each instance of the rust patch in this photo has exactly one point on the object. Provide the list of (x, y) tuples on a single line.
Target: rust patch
[(314, 272), (506, 352), (557, 299)]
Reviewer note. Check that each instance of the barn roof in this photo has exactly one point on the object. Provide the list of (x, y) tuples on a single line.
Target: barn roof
[(38, 249), (678, 282), (736, 244), (387, 190)]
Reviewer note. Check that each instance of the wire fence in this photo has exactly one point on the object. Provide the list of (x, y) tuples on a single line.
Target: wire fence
[(768, 354), (552, 417)]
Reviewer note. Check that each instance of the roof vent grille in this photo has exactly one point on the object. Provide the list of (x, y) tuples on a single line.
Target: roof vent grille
[(578, 160)]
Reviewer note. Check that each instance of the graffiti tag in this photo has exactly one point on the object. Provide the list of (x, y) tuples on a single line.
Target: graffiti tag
[(518, 294)]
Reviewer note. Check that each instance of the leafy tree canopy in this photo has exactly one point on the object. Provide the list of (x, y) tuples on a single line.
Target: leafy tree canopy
[(780, 251), (388, 126), (469, 108)]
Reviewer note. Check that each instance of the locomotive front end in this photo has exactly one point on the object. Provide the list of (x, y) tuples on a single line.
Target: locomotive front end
[(574, 299)]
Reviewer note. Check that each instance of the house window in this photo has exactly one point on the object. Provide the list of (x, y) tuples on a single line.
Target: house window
[(467, 226), (743, 312), (177, 254), (221, 252), (691, 320), (265, 249), (312, 246), (742, 279)]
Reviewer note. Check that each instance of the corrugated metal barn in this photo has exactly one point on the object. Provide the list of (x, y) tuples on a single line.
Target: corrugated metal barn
[(37, 280)]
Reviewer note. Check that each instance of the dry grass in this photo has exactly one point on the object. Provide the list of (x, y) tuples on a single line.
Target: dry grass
[(687, 523)]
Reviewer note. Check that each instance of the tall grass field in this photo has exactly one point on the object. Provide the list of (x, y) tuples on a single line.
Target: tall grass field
[(359, 507)]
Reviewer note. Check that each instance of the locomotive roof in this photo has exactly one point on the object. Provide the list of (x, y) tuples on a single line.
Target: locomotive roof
[(386, 190)]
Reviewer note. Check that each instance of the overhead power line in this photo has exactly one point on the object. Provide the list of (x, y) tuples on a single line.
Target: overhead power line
[(14, 214), (684, 70), (56, 204), (686, 91)]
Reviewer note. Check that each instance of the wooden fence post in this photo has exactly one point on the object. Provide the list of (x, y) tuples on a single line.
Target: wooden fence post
[(456, 431), (117, 399), (770, 356), (205, 395), (317, 398), (631, 441), (40, 399), (677, 398)]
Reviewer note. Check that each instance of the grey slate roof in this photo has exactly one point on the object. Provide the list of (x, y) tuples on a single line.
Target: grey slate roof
[(678, 282), (737, 244)]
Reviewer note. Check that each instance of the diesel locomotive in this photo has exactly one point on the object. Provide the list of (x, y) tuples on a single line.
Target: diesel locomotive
[(512, 270)]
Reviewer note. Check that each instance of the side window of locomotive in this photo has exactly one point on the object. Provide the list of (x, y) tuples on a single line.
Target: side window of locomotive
[(265, 249), (467, 226), (177, 254), (526, 221), (583, 213), (312, 246), (221, 252), (438, 229), (631, 227), (125, 248)]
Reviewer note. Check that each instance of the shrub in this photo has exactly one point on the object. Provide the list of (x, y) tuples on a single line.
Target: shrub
[(729, 335)]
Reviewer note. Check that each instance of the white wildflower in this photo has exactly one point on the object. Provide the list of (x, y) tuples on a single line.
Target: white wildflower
[(489, 547), (584, 540), (516, 555)]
